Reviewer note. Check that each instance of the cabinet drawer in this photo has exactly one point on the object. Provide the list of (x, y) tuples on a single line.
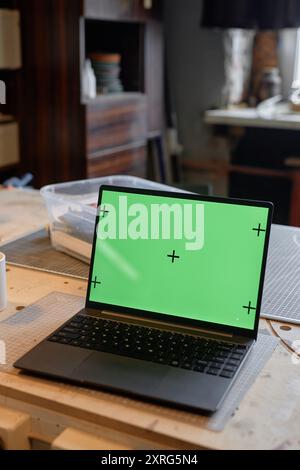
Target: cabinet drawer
[(114, 121), (131, 161)]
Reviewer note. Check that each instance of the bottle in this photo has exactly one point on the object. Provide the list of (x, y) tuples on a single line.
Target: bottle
[(270, 84), (89, 81)]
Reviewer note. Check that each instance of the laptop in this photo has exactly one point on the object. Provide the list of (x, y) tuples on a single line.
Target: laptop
[(173, 299)]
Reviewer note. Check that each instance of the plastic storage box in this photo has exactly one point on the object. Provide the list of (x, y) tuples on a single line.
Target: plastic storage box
[(72, 210)]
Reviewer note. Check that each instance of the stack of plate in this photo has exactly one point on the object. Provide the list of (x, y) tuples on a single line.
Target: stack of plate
[(107, 70)]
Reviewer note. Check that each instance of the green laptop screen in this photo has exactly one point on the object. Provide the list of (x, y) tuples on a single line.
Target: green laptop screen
[(198, 260)]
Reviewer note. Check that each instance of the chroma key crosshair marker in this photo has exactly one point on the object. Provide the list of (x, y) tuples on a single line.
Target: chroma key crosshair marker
[(95, 283), (103, 212), (258, 230), (249, 308), (173, 256)]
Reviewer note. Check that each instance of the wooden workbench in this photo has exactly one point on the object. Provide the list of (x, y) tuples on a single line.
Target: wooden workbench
[(65, 416)]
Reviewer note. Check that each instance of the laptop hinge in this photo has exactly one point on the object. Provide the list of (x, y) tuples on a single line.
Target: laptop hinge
[(167, 325)]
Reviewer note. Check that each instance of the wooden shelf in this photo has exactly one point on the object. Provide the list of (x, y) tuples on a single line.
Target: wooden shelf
[(7, 120), (249, 117), (112, 98), (123, 38)]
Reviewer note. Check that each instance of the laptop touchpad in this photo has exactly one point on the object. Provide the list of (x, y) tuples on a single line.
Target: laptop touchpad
[(120, 372)]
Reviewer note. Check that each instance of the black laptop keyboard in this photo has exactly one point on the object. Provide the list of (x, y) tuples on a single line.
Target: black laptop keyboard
[(160, 346)]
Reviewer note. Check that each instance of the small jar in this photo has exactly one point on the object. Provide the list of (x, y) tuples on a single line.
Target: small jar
[(270, 85)]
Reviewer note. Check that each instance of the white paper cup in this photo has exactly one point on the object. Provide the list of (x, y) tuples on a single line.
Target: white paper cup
[(3, 290)]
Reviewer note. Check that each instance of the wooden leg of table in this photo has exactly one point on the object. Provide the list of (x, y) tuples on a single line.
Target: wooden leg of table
[(295, 199), (14, 430), (73, 439)]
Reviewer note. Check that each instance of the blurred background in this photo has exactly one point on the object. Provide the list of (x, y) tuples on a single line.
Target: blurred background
[(200, 94)]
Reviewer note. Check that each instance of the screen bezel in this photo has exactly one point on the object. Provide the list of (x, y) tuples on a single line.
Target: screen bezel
[(166, 318)]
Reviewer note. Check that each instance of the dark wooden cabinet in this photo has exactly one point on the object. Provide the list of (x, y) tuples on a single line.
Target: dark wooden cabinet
[(64, 137), (52, 117), (128, 161)]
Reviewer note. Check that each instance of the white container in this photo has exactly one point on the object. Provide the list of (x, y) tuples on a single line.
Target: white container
[(72, 210), (89, 81), (3, 288)]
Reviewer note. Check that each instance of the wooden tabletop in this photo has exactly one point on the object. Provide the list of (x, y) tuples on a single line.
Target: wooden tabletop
[(268, 417)]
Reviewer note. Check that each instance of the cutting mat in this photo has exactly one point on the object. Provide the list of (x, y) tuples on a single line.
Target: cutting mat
[(281, 297), (35, 251), (23, 330)]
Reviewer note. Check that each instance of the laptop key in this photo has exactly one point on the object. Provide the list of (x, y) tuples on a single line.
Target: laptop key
[(227, 374), (201, 363), (54, 339), (187, 365), (79, 318), (230, 368), (75, 324), (87, 327), (199, 368), (219, 360), (175, 364), (216, 365), (213, 371), (128, 347), (69, 329), (63, 340), (83, 337), (162, 360), (236, 356), (226, 347), (65, 334), (233, 362), (223, 354), (240, 349)]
